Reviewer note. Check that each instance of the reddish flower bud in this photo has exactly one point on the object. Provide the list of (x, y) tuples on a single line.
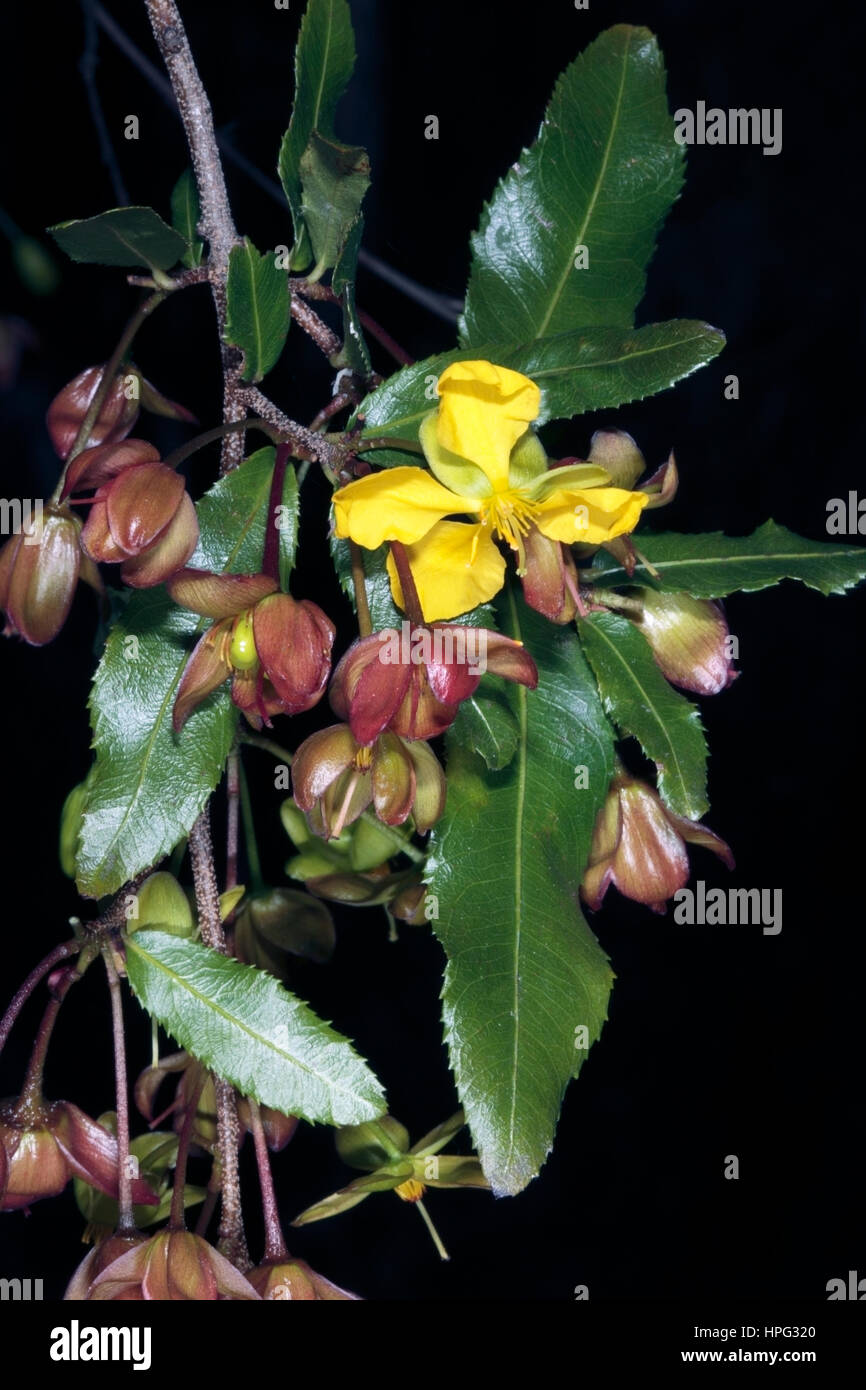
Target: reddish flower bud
[(80, 1286), (38, 576), (661, 488), (43, 1151), (550, 580), (335, 778), (276, 649), (412, 681), (638, 845), (278, 1128), (69, 407), (173, 1266)]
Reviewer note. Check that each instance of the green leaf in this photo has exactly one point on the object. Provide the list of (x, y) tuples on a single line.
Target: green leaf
[(334, 179), (602, 175), (641, 702), (486, 725), (524, 971), (122, 236), (592, 369), (355, 353), (712, 565), (185, 214), (149, 784), (257, 308), (242, 1024), (324, 59)]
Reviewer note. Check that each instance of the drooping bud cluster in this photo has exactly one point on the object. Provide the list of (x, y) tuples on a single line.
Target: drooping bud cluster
[(41, 1150), (276, 649), (140, 517)]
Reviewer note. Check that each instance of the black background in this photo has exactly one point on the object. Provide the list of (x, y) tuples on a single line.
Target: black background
[(720, 1041)]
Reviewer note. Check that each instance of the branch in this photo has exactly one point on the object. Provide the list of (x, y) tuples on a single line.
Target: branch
[(231, 1239), (216, 225), (443, 306)]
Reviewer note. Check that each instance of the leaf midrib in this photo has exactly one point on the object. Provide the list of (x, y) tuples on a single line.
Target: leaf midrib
[(543, 373), (762, 557), (523, 720), (555, 298), (259, 1038)]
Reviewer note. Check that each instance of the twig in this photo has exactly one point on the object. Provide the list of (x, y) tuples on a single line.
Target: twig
[(216, 224), (324, 337), (87, 67), (24, 991), (443, 306), (232, 1242), (306, 443), (275, 1245), (126, 1216), (334, 406)]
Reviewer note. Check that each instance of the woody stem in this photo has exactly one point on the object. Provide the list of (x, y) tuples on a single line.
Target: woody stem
[(176, 1220), (126, 1217), (232, 1242)]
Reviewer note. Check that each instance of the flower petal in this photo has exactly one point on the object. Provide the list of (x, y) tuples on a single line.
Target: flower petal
[(294, 641), (141, 502), (219, 595), (171, 552), (96, 538), (368, 687), (320, 759), (456, 473), (397, 504), (93, 467), (574, 475), (206, 669), (483, 411), (449, 579), (591, 517), (392, 779)]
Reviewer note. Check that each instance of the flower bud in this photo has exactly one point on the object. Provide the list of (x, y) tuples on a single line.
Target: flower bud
[(370, 1145), (617, 453), (173, 1266), (163, 906), (335, 778), (80, 1286), (638, 845), (280, 922), (550, 580), (293, 1279), (278, 1128), (37, 581), (43, 1151), (690, 639), (68, 409), (661, 488)]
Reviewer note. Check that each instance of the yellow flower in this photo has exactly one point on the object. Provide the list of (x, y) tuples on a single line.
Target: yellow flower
[(486, 462)]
